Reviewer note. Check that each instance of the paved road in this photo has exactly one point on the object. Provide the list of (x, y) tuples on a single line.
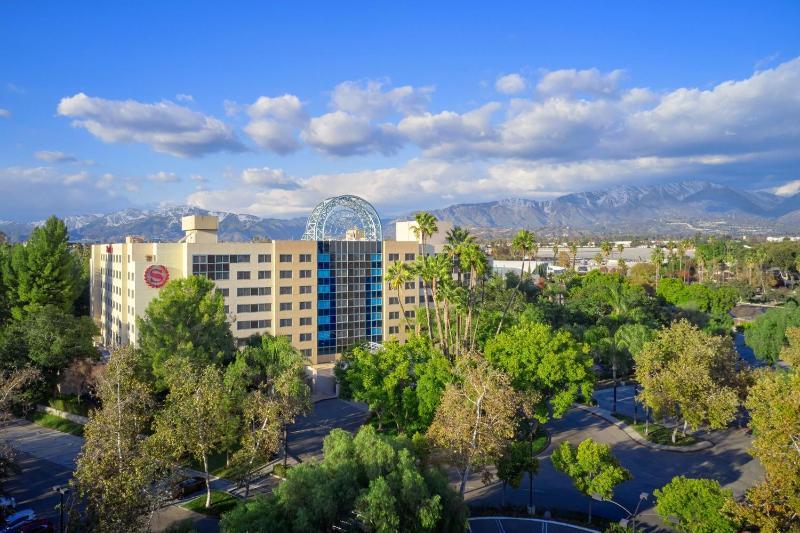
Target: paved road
[(522, 525), (306, 436), (727, 462)]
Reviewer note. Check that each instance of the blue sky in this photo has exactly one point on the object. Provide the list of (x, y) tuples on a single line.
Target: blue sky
[(267, 109)]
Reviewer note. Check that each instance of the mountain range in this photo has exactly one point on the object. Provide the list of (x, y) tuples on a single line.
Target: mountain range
[(681, 208)]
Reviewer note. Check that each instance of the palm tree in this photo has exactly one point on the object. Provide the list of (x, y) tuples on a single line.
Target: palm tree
[(555, 253), (426, 226), (598, 259), (456, 239), (657, 258), (620, 248), (606, 247), (524, 242), (681, 255), (396, 277), (473, 260), (573, 250)]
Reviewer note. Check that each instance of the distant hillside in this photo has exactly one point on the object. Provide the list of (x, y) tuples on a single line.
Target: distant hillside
[(163, 224), (676, 208), (682, 208)]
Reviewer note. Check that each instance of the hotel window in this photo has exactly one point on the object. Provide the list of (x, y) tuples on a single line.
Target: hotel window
[(394, 257), (286, 306), (265, 258), (409, 299), (305, 258), (305, 273), (410, 285), (286, 322), (394, 330), (211, 266), (305, 337), (394, 315), (286, 274), (265, 274), (305, 320), (285, 290), (245, 274), (242, 258), (287, 337), (253, 324), (286, 258), (409, 257), (253, 291), (393, 300), (305, 353), (224, 292), (305, 289), (409, 314), (253, 308), (305, 305), (226, 309)]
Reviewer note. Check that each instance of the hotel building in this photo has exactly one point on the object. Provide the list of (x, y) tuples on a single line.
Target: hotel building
[(325, 295)]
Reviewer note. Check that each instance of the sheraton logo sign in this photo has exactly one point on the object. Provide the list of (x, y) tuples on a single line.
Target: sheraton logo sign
[(156, 276)]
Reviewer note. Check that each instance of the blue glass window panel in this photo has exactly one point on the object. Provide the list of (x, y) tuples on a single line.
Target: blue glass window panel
[(324, 257), (323, 288), (323, 320), (323, 273), (323, 304)]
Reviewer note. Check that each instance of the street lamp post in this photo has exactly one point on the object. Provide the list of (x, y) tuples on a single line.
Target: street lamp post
[(61, 490), (631, 515)]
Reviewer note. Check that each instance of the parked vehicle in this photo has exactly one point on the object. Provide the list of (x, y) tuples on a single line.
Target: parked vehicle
[(187, 486), (14, 521)]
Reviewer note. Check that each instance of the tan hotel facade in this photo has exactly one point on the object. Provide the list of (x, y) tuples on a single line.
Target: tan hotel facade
[(324, 296)]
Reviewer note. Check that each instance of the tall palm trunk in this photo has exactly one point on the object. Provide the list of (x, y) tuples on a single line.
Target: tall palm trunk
[(513, 296), (436, 309)]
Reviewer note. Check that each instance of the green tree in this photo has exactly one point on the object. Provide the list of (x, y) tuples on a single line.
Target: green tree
[(525, 243), (42, 272), (426, 226), (476, 418), (13, 384), (689, 373), (774, 406), (401, 383), (396, 277), (767, 334), (188, 320), (516, 459), (657, 258), (378, 479), (195, 419), (592, 468), (699, 505), (550, 367), (117, 471)]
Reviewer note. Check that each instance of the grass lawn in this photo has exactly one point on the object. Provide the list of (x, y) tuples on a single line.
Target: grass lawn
[(539, 441), (658, 434), (70, 404), (216, 465), (221, 502), (57, 423)]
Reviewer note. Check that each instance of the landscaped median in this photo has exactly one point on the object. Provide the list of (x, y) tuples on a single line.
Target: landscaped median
[(656, 432)]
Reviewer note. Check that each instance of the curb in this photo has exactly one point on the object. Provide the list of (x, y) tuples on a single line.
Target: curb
[(636, 437)]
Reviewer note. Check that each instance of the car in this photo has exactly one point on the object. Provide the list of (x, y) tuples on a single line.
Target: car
[(187, 486), (14, 521), (42, 525)]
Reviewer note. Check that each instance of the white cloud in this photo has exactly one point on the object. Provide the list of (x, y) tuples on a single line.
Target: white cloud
[(77, 177), (165, 126), (164, 177), (340, 133), (4, 113), (184, 97), (510, 84), (52, 156), (275, 123), (789, 188), (571, 81), (198, 178), (371, 99), (268, 177)]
